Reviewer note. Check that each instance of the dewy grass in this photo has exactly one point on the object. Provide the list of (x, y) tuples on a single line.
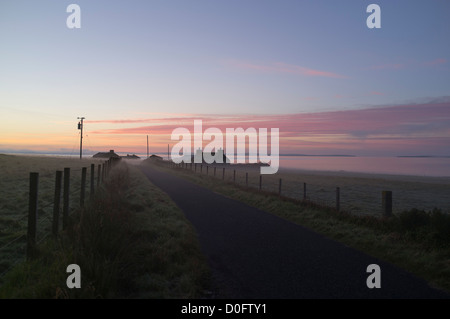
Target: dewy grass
[(14, 187), (130, 242), (383, 238)]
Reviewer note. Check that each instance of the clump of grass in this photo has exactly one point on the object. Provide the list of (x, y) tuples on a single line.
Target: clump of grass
[(413, 219), (131, 241), (430, 227)]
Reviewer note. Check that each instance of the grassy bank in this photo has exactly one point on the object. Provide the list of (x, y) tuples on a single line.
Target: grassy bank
[(130, 241), (414, 240)]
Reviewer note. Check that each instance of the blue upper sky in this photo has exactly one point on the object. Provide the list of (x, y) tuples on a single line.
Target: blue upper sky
[(221, 56), (132, 59)]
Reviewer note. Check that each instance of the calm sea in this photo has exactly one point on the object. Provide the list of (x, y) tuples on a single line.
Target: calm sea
[(418, 166)]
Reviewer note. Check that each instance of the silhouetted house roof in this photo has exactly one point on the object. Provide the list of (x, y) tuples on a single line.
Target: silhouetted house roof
[(109, 154), (134, 156), (155, 157), (220, 154)]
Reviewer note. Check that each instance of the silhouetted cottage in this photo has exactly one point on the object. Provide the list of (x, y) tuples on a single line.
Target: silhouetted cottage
[(155, 158), (108, 155), (134, 156), (220, 154)]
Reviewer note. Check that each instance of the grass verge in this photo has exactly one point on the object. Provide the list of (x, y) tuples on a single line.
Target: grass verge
[(131, 241), (414, 240)]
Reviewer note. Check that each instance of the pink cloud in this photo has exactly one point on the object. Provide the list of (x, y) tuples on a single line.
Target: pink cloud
[(413, 128), (435, 62), (376, 93), (280, 67), (399, 120)]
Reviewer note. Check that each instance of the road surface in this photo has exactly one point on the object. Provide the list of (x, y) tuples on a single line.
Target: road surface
[(254, 254)]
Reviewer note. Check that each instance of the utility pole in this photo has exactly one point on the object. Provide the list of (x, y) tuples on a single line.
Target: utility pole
[(147, 146), (80, 127)]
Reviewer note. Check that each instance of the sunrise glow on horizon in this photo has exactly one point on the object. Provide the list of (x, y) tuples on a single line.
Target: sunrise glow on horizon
[(312, 69)]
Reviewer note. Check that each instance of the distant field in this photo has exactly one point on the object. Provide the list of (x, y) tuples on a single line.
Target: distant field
[(14, 189), (360, 193)]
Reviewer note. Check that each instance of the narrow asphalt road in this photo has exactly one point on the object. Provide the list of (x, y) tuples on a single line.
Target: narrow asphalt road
[(254, 254)]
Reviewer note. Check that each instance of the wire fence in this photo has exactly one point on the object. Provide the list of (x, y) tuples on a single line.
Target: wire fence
[(20, 237), (334, 197)]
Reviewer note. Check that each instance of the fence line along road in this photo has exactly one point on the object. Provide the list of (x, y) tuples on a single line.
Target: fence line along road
[(386, 196)]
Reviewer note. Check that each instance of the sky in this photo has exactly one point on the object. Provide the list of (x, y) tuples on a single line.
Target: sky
[(313, 69)]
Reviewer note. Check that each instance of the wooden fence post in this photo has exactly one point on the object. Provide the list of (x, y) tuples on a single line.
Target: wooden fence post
[(83, 186), (223, 173), (66, 197), (56, 203), (279, 188), (338, 199), (207, 168), (214, 171), (304, 191), (32, 215), (246, 179), (260, 182), (92, 180), (195, 167), (103, 172), (387, 203)]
